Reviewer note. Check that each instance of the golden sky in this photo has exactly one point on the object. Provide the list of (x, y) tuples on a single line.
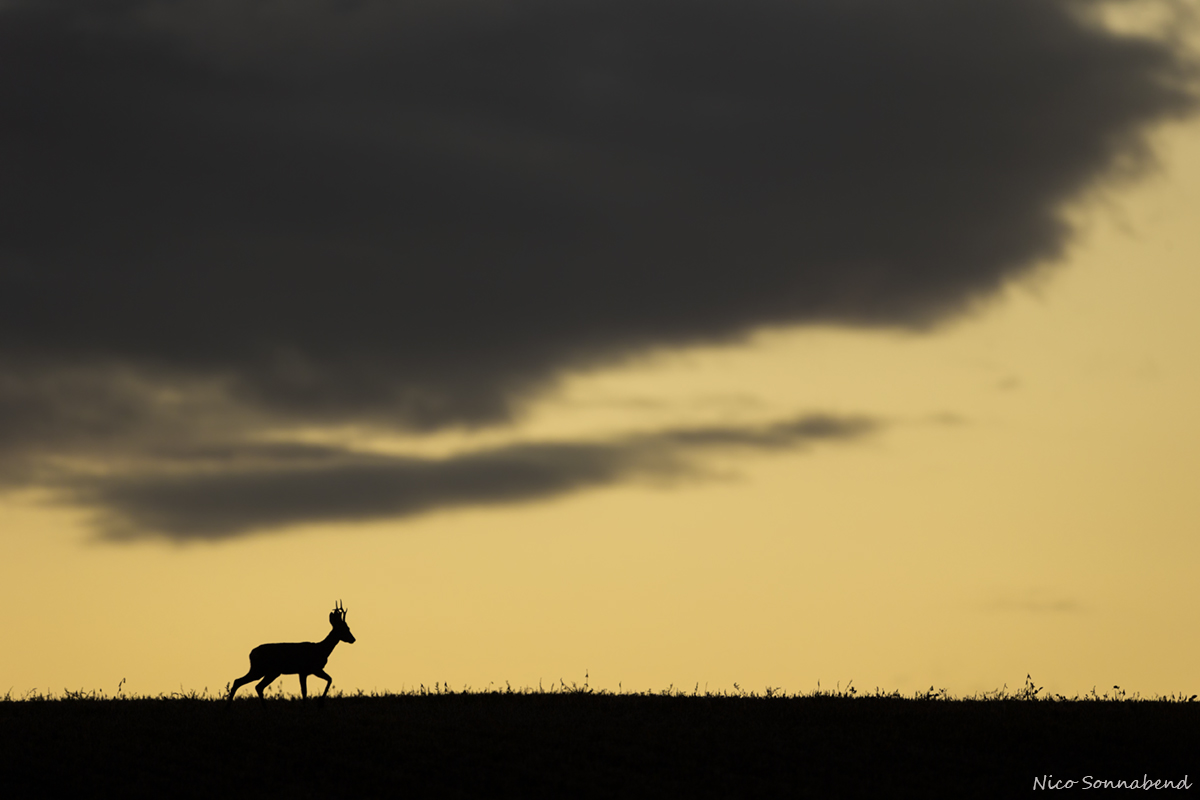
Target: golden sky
[(1030, 508), (1023, 502)]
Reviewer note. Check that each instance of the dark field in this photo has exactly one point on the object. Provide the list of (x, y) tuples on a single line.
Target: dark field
[(584, 744)]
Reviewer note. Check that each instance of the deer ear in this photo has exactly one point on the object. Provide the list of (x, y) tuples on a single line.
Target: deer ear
[(333, 617)]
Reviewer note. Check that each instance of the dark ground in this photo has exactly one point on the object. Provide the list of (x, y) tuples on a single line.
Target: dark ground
[(588, 745)]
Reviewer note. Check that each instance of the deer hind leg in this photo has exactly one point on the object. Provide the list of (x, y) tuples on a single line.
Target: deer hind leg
[(328, 680), (264, 683), (303, 686), (242, 681)]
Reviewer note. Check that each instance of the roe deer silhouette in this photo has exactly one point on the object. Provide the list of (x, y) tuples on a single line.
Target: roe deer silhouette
[(269, 661)]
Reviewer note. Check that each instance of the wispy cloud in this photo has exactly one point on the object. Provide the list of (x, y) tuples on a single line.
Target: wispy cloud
[(1034, 602), (321, 485)]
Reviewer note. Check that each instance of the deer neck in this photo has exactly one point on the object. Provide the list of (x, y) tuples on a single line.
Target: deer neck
[(328, 643)]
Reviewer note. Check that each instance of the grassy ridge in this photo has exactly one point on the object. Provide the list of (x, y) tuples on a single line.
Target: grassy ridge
[(587, 744)]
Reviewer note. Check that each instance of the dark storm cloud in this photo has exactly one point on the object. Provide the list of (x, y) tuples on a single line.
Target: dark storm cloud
[(323, 486), (225, 217), (424, 211)]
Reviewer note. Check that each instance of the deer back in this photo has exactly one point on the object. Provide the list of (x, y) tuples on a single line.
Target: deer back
[(288, 658)]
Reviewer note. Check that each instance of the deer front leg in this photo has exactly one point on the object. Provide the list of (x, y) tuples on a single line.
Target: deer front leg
[(303, 686), (328, 680)]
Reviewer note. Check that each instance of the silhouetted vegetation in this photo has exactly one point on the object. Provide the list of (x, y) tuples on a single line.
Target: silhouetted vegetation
[(571, 740)]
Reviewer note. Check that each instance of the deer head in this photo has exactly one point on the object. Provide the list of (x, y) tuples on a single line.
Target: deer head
[(337, 618)]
